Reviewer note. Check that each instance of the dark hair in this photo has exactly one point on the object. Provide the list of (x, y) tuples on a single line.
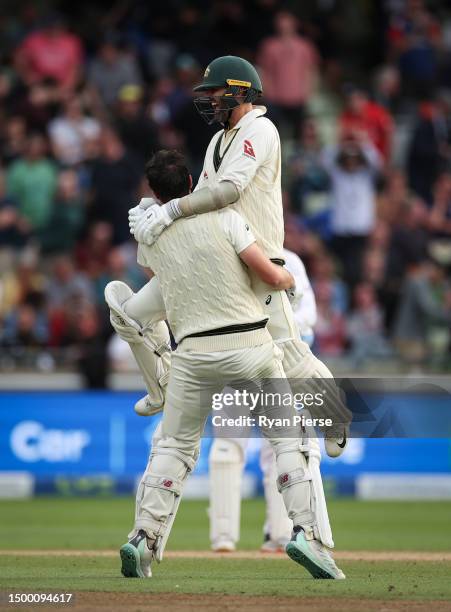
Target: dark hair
[(167, 175)]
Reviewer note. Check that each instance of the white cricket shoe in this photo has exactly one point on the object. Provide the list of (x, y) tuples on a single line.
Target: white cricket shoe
[(136, 557), (223, 545), (145, 406), (312, 555), (273, 546)]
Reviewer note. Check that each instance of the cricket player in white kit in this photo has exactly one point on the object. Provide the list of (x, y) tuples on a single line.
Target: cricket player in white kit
[(220, 328), (242, 169), (226, 476)]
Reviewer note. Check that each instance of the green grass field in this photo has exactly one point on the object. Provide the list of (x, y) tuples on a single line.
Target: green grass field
[(101, 524)]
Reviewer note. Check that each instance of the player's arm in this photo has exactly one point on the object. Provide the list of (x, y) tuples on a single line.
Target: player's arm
[(269, 272), (250, 151), (243, 241)]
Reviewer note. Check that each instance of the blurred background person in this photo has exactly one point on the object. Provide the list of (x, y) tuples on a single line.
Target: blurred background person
[(289, 64), (352, 168)]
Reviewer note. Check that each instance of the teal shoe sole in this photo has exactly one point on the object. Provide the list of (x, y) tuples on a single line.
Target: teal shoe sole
[(130, 562), (298, 556)]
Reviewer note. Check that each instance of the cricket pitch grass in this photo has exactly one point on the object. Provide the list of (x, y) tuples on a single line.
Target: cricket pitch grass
[(396, 556)]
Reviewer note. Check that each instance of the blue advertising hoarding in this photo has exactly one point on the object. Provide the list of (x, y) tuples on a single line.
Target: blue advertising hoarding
[(72, 435)]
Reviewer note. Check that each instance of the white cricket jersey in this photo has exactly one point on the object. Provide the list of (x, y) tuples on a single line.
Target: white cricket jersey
[(204, 284), (249, 156)]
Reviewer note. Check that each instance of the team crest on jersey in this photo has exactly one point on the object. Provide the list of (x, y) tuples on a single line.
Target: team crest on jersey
[(248, 149), (205, 175)]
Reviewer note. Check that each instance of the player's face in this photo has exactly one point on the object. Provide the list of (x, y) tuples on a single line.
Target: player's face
[(212, 105)]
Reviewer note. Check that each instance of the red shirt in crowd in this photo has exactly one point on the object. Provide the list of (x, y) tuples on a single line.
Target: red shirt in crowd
[(375, 121), (58, 57)]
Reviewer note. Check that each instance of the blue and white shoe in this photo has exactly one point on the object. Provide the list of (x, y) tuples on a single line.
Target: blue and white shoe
[(312, 555), (136, 557)]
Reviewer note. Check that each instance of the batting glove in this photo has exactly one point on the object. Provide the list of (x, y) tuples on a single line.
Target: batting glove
[(134, 214), (155, 221)]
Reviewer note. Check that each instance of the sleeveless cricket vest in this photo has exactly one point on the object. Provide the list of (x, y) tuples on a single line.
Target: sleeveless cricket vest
[(203, 282)]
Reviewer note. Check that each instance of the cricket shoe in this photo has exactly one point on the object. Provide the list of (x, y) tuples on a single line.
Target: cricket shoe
[(312, 555), (136, 557), (273, 546), (223, 545), (335, 440), (145, 406)]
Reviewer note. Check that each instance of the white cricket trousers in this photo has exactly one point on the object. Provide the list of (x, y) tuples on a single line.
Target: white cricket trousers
[(200, 368)]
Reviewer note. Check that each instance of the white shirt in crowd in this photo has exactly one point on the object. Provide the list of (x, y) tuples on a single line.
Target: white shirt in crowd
[(353, 200), (68, 137)]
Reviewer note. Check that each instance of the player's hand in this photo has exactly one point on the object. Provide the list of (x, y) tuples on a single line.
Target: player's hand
[(155, 220), (135, 213)]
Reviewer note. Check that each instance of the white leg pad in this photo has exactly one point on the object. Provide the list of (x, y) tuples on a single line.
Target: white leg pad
[(150, 346), (319, 506), (159, 493), (300, 363), (226, 468), (277, 523)]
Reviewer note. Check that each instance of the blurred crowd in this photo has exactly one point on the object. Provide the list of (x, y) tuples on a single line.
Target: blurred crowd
[(361, 94)]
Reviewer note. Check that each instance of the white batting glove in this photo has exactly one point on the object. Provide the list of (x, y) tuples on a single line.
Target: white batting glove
[(155, 220), (135, 213)]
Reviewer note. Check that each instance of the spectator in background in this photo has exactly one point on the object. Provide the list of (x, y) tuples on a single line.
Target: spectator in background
[(289, 64), (367, 117), (408, 244), (194, 132), (308, 179), (137, 131), (14, 228), (69, 132), (87, 334), (66, 284), (330, 328), (387, 88), (32, 180), (118, 268), (425, 308), (92, 252), (13, 139), (323, 273), (67, 217), (51, 53), (111, 69), (186, 75), (430, 147), (352, 167), (393, 197), (365, 327), (439, 221), (25, 327), (415, 40), (115, 180)]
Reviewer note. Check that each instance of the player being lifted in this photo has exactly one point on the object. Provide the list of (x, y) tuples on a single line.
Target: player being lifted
[(222, 338), (242, 169)]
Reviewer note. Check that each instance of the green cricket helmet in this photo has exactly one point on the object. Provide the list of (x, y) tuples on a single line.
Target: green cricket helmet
[(240, 80)]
